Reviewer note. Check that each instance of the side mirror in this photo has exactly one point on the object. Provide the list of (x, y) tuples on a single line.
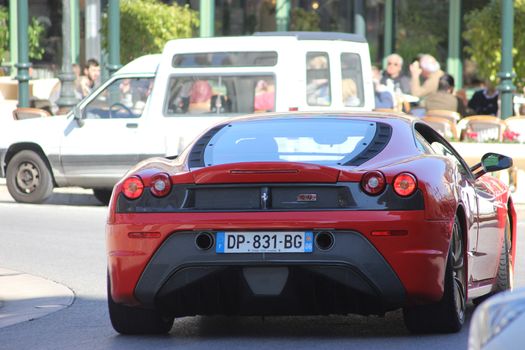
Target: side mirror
[(77, 115), (491, 162)]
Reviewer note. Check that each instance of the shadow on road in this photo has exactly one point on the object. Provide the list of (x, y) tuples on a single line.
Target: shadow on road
[(63, 198)]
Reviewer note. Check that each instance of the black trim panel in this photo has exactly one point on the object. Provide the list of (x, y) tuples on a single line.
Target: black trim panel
[(350, 277), (277, 197)]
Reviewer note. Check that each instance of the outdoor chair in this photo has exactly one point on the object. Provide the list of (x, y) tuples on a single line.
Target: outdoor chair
[(442, 113), (446, 127), (28, 113), (517, 125), (482, 128)]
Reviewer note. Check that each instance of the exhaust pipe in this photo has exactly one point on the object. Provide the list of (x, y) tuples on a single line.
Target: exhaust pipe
[(324, 240), (204, 240)]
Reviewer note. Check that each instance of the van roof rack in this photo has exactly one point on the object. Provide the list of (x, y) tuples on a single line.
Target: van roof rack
[(317, 36)]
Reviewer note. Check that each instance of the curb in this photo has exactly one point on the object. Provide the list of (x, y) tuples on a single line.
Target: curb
[(24, 297)]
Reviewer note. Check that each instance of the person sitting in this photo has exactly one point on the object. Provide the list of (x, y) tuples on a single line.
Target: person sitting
[(485, 101), (429, 69), (383, 98), (264, 99), (393, 74), (350, 98), (200, 97), (444, 98), (318, 86)]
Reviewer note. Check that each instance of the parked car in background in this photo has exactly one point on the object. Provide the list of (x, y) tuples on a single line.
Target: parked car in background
[(157, 104), (309, 213), (498, 323)]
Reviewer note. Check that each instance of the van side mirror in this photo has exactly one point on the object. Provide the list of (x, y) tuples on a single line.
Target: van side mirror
[(77, 115), (491, 162)]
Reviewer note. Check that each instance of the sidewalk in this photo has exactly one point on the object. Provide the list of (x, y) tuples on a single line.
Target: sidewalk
[(24, 297)]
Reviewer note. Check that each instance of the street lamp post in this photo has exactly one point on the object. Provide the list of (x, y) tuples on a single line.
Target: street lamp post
[(506, 87), (114, 36), (23, 64), (67, 98)]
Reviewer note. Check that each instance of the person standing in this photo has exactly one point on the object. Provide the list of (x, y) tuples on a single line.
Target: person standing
[(485, 101), (90, 78), (444, 97), (393, 74), (429, 69)]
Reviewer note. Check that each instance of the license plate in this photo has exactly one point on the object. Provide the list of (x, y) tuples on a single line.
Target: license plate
[(264, 242)]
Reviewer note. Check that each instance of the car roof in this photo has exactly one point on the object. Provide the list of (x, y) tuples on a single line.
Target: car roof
[(376, 116), (147, 64)]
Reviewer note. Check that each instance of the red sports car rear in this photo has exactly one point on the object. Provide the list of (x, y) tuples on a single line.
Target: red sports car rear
[(307, 214)]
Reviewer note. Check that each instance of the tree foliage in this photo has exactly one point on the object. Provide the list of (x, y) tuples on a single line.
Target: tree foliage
[(483, 36), (35, 33), (422, 27), (146, 25), (303, 20)]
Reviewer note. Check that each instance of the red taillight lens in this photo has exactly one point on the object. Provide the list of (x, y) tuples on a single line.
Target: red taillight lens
[(405, 184), (373, 182), (160, 185), (133, 187)]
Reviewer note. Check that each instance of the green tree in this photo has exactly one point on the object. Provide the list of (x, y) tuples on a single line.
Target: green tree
[(422, 27), (483, 36), (35, 33), (146, 25), (303, 20)]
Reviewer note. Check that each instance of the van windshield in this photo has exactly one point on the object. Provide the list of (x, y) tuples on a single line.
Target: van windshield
[(220, 94)]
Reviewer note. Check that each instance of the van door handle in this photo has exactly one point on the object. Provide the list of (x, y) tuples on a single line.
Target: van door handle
[(132, 125)]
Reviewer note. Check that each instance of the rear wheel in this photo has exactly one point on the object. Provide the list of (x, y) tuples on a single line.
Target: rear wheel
[(135, 320), (103, 195), (447, 315), (28, 178)]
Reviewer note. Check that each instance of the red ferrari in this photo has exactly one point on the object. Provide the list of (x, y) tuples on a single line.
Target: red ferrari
[(309, 214)]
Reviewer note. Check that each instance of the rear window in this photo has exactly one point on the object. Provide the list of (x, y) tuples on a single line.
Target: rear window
[(220, 94), (328, 141), (226, 59)]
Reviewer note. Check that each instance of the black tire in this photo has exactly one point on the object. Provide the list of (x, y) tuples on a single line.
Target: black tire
[(135, 320), (504, 278), (447, 315), (103, 195), (28, 178)]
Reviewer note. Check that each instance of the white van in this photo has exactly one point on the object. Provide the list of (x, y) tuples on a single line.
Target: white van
[(155, 105)]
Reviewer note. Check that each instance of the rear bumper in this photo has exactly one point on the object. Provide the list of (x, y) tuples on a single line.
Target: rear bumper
[(353, 267), (385, 272)]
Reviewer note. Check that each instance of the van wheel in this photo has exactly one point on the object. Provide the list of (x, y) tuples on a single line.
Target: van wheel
[(135, 320), (28, 178), (447, 315), (102, 195)]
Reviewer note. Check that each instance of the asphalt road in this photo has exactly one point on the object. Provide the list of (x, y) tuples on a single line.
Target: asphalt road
[(65, 243)]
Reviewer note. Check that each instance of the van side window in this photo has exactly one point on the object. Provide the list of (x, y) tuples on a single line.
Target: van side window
[(317, 79), (352, 80), (225, 59), (218, 94), (123, 98)]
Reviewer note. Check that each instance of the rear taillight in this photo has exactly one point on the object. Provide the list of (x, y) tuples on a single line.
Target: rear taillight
[(160, 185), (133, 187), (405, 184), (373, 182)]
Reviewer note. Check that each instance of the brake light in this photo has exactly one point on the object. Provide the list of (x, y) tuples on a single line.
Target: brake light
[(373, 182), (160, 185), (405, 184), (133, 187)]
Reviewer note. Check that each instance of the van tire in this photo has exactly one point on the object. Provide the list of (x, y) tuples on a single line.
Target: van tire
[(28, 178), (103, 195)]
